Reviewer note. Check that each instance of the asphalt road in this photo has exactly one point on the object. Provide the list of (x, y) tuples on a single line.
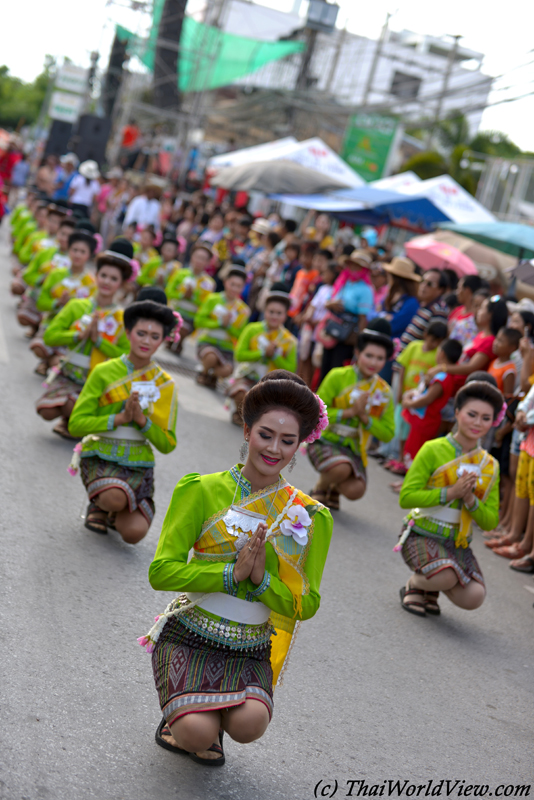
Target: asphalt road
[(372, 693)]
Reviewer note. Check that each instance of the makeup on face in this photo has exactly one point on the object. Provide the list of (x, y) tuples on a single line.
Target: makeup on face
[(371, 360)]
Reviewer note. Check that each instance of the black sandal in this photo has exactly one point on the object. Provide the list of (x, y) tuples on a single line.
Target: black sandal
[(333, 499), (163, 729), (413, 606), (96, 524), (215, 748), (431, 603)]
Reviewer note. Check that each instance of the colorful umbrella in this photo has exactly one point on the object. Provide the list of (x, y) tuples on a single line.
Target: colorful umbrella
[(430, 254)]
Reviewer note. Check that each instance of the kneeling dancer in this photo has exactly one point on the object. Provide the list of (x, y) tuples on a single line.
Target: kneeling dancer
[(92, 331), (451, 482), (259, 548), (360, 405), (127, 404)]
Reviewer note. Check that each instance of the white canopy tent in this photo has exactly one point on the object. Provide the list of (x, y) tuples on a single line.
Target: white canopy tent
[(450, 198), (312, 153)]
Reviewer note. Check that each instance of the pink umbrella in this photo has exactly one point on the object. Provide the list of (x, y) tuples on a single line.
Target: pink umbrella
[(431, 254)]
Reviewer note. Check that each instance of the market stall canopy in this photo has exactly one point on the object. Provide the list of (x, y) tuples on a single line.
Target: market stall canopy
[(274, 176), (312, 153), (370, 206), (431, 254), (397, 183), (508, 237), (457, 204)]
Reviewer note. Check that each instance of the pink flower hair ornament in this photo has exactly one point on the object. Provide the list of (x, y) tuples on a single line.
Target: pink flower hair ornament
[(174, 337), (321, 425), (500, 416), (136, 269)]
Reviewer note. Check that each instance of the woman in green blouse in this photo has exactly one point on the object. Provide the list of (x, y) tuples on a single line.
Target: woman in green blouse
[(92, 330), (259, 548), (262, 347), (219, 322), (451, 482), (127, 404)]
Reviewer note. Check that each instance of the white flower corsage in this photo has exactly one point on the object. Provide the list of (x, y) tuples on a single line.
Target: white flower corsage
[(108, 325), (297, 524)]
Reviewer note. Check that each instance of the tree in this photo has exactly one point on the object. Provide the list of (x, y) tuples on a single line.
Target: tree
[(494, 143), (426, 165), (21, 102)]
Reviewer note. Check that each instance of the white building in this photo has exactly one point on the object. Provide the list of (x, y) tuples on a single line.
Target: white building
[(408, 76)]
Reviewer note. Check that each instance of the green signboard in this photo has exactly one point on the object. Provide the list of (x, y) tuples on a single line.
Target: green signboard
[(368, 141)]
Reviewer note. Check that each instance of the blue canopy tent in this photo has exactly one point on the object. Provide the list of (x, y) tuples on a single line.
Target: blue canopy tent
[(366, 205)]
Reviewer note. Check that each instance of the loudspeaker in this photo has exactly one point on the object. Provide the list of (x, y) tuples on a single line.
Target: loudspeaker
[(91, 138), (58, 138)]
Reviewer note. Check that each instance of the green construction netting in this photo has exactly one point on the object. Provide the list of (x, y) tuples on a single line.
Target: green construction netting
[(208, 58)]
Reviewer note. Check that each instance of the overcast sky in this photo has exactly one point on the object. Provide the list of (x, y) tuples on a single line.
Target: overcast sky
[(503, 32)]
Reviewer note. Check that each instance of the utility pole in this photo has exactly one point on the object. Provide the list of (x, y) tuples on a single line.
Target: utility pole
[(335, 60), (311, 39), (376, 59), (444, 88)]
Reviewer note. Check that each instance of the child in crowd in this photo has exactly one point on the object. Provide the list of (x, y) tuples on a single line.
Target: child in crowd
[(306, 277), (422, 410), (314, 314), (415, 360), (292, 264), (503, 367)]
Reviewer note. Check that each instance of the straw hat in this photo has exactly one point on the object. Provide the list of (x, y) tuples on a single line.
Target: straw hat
[(360, 257), (403, 268)]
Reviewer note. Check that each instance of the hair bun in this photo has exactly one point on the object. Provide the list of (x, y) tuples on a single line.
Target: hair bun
[(283, 389)]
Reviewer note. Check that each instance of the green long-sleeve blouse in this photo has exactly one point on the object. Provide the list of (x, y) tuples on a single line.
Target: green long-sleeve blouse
[(210, 330), (335, 392), (247, 349), (196, 499), (416, 494), (66, 327), (89, 416)]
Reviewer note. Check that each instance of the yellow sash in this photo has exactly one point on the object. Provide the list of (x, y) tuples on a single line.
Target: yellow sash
[(110, 328), (216, 544), (447, 475), (163, 411), (82, 286), (281, 337), (379, 397)]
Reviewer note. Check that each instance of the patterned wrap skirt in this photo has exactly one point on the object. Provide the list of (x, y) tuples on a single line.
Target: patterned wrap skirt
[(324, 455), (431, 554), (223, 356), (28, 313), (193, 674), (60, 391), (136, 482)]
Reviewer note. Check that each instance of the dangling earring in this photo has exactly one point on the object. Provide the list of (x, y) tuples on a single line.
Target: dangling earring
[(243, 453), (292, 463)]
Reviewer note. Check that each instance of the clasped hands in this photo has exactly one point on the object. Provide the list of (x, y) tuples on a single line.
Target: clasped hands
[(251, 559), (132, 412), (358, 408), (91, 331), (463, 489)]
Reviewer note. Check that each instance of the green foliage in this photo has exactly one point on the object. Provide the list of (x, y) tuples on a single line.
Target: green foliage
[(494, 143), (453, 130), (429, 164), (20, 101)]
